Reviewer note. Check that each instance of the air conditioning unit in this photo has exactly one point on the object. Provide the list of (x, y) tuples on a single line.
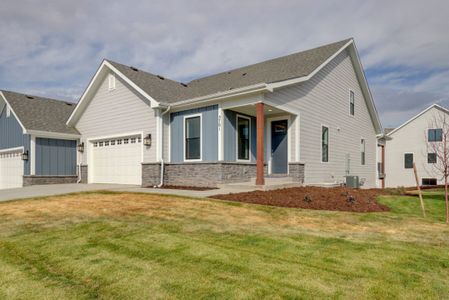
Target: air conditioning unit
[(352, 182)]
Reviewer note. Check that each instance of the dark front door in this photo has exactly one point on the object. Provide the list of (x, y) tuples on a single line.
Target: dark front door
[(279, 147)]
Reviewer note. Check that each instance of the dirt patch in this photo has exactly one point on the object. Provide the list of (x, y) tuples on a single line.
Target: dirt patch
[(182, 187), (338, 199)]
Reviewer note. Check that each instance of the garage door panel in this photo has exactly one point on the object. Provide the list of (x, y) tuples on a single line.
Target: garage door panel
[(117, 161), (11, 170)]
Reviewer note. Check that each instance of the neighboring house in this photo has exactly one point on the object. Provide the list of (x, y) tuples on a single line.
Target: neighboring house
[(408, 144), (308, 115), (36, 146)]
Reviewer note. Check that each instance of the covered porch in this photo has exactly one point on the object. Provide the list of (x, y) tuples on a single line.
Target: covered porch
[(261, 134)]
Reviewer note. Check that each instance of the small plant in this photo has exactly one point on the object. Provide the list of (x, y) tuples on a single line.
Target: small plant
[(307, 198), (350, 198)]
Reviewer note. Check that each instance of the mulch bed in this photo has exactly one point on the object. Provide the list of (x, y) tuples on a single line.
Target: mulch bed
[(181, 187), (337, 199)]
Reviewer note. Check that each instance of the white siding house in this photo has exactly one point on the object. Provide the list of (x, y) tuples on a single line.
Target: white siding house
[(410, 141)]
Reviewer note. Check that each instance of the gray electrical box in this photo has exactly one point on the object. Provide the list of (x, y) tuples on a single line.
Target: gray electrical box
[(352, 182)]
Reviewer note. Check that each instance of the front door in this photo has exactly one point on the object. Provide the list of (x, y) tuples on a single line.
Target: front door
[(279, 147)]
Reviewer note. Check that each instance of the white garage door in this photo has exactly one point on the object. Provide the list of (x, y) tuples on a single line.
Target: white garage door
[(11, 170), (117, 160)]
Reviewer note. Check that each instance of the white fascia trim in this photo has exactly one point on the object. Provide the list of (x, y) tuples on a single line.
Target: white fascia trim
[(417, 116), (104, 64), (13, 112), (261, 87), (12, 149), (288, 82), (53, 135), (33, 155)]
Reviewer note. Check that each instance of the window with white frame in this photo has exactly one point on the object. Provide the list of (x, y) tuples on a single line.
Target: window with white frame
[(351, 103), (243, 138), (8, 111), (192, 130), (435, 135), (362, 152), (324, 144), (111, 79)]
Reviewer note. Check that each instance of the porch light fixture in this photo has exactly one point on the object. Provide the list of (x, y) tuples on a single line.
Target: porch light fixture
[(81, 147), (147, 140), (25, 155)]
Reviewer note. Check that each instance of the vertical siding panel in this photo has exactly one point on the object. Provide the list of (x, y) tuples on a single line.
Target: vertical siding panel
[(55, 157)]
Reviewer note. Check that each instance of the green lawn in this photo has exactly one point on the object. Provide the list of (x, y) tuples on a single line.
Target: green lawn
[(135, 246)]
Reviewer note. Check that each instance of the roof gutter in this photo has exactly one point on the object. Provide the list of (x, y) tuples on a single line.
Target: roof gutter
[(260, 87)]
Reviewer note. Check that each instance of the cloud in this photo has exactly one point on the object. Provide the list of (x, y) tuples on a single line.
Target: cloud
[(53, 48)]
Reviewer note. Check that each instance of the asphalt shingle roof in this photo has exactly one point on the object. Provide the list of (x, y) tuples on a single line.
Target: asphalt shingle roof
[(43, 114), (283, 68)]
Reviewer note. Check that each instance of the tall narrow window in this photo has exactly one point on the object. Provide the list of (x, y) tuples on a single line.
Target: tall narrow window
[(111, 82), (351, 103), (243, 138), (362, 151), (193, 138), (324, 144), (8, 111), (408, 160), (435, 135)]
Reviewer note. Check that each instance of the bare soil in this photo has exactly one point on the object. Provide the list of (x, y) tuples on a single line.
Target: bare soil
[(337, 199)]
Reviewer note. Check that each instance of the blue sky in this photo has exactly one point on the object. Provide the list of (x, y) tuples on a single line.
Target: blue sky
[(53, 48)]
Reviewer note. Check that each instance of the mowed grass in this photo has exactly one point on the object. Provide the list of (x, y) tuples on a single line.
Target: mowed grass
[(136, 246)]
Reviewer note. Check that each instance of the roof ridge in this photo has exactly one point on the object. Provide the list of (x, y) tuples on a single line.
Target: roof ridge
[(39, 98)]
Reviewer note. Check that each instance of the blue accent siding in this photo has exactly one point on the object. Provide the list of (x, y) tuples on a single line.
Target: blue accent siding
[(11, 133), (230, 131), (55, 157), (209, 130)]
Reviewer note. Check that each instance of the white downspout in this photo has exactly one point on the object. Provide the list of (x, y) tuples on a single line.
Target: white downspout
[(161, 149)]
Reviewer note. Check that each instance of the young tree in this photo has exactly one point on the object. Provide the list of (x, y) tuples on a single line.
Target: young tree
[(437, 140)]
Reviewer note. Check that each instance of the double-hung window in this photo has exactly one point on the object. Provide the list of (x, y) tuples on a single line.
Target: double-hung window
[(324, 144), (243, 138), (362, 152), (435, 135), (192, 133), (351, 103)]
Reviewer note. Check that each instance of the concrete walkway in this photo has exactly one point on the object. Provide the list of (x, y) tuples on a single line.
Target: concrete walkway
[(60, 189)]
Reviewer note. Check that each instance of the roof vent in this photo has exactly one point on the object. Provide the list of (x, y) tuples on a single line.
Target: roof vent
[(69, 104), (160, 77), (231, 88), (184, 85), (244, 74), (134, 69), (229, 72), (29, 97)]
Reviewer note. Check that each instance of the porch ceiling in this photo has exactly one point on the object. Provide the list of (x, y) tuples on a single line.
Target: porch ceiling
[(250, 110)]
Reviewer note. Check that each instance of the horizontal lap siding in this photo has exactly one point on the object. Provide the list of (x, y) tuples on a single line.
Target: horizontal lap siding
[(324, 99), (209, 131), (117, 112), (55, 157)]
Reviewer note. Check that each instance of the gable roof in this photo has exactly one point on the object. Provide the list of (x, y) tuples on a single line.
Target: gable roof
[(40, 114), (437, 106), (274, 70), (261, 77)]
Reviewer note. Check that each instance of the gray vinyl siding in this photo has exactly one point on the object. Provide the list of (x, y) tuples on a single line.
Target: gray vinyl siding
[(230, 138), (55, 157), (117, 112), (209, 130), (11, 133), (11, 136), (324, 100)]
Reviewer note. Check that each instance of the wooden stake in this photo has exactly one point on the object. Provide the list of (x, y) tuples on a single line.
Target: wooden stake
[(419, 190)]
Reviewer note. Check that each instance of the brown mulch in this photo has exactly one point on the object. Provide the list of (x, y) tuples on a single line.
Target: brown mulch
[(181, 187), (337, 199)]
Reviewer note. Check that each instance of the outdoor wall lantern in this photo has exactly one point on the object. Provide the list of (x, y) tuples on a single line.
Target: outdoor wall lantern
[(25, 155), (81, 147), (147, 140)]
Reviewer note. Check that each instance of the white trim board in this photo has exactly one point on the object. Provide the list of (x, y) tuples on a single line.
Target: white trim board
[(200, 115), (14, 113), (237, 116)]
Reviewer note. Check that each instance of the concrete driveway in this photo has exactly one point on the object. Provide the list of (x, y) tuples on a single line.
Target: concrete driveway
[(57, 189)]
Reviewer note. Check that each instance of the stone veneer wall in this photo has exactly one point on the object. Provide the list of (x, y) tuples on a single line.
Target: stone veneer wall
[(296, 171), (200, 174), (39, 180)]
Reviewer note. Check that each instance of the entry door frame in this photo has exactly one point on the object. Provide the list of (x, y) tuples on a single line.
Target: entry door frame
[(268, 139)]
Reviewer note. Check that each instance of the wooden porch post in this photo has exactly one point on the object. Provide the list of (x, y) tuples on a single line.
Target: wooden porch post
[(260, 120)]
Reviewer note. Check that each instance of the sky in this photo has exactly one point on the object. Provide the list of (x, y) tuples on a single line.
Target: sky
[(53, 48)]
